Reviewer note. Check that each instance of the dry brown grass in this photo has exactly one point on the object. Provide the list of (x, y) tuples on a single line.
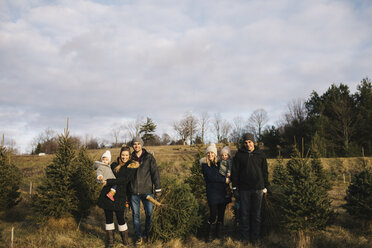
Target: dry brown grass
[(175, 160)]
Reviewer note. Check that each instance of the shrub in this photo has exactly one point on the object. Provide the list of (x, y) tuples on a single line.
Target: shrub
[(10, 179), (178, 217), (359, 196)]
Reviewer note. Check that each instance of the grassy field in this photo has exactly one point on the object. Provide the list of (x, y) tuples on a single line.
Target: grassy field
[(175, 160)]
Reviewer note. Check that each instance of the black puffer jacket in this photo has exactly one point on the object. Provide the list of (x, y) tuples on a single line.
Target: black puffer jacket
[(249, 171), (147, 174), (123, 177)]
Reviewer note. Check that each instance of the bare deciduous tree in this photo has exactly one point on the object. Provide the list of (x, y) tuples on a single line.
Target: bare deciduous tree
[(203, 124), (257, 121), (133, 127), (296, 111)]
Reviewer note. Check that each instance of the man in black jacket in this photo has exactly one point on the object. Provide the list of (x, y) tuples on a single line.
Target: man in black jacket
[(250, 180), (146, 178)]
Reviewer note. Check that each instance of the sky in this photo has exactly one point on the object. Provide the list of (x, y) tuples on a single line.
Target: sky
[(103, 63)]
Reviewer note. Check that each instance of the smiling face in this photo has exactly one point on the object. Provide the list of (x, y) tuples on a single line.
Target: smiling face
[(137, 146), (124, 157), (211, 156), (249, 144), (225, 156)]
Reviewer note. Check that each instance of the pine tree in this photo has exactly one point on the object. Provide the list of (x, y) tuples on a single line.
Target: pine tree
[(196, 179), (84, 184), (178, 217), (359, 195), (304, 205), (10, 179), (55, 196), (148, 129)]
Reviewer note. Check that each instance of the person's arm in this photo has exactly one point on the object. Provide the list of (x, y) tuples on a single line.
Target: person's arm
[(155, 177), (235, 173), (212, 176)]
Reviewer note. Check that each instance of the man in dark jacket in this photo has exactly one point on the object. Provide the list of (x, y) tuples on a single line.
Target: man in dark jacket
[(250, 180), (146, 178)]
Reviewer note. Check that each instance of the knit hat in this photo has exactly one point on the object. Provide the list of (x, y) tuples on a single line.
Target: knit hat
[(248, 136), (137, 139), (227, 150), (211, 148), (107, 154)]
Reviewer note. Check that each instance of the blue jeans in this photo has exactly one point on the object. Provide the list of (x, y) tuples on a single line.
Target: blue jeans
[(250, 213), (135, 204)]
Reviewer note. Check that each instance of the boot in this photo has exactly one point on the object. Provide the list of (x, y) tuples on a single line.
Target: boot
[(124, 237), (218, 230), (208, 234), (110, 238)]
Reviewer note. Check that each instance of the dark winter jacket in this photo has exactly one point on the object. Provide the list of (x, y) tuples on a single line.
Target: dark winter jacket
[(249, 171), (215, 183), (147, 174), (123, 177)]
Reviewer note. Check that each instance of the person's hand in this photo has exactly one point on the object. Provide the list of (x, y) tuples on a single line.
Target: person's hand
[(228, 174), (236, 193), (157, 195), (104, 182), (100, 177), (264, 190)]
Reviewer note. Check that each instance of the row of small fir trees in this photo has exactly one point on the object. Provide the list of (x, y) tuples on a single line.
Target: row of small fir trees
[(300, 200)]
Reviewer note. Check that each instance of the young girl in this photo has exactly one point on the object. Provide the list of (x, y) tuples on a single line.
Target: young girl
[(124, 169), (104, 172), (225, 167), (215, 184)]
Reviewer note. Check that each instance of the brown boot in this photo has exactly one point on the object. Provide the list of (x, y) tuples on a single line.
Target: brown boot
[(110, 238), (124, 237)]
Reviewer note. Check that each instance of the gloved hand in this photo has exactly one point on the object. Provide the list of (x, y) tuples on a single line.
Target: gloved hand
[(235, 192), (157, 195)]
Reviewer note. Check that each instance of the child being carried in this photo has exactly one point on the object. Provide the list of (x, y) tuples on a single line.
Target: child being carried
[(104, 172)]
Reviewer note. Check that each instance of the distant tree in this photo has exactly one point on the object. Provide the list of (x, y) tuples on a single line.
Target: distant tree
[(192, 125), (217, 122), (147, 130), (272, 140), (257, 121), (165, 139), (182, 129), (363, 129), (203, 125), (115, 133), (92, 143), (333, 116), (237, 130), (133, 127), (10, 180)]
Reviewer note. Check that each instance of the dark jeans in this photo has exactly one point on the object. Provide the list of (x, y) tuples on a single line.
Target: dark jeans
[(135, 202), (216, 210), (110, 217), (250, 213)]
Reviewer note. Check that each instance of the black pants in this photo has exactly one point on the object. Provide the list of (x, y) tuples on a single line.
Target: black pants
[(217, 210), (109, 214)]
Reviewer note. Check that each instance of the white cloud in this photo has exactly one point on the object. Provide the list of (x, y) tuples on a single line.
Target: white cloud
[(96, 60)]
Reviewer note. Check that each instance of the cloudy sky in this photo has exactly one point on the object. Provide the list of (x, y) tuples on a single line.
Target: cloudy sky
[(102, 63)]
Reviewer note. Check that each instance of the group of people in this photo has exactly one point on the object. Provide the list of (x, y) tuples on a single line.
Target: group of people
[(245, 176), (128, 180), (134, 176)]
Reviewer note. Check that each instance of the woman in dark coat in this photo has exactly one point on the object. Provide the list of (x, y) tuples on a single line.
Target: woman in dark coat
[(216, 190), (124, 169)]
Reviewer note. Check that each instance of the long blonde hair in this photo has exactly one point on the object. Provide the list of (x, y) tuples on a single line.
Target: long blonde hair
[(121, 163), (215, 160)]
